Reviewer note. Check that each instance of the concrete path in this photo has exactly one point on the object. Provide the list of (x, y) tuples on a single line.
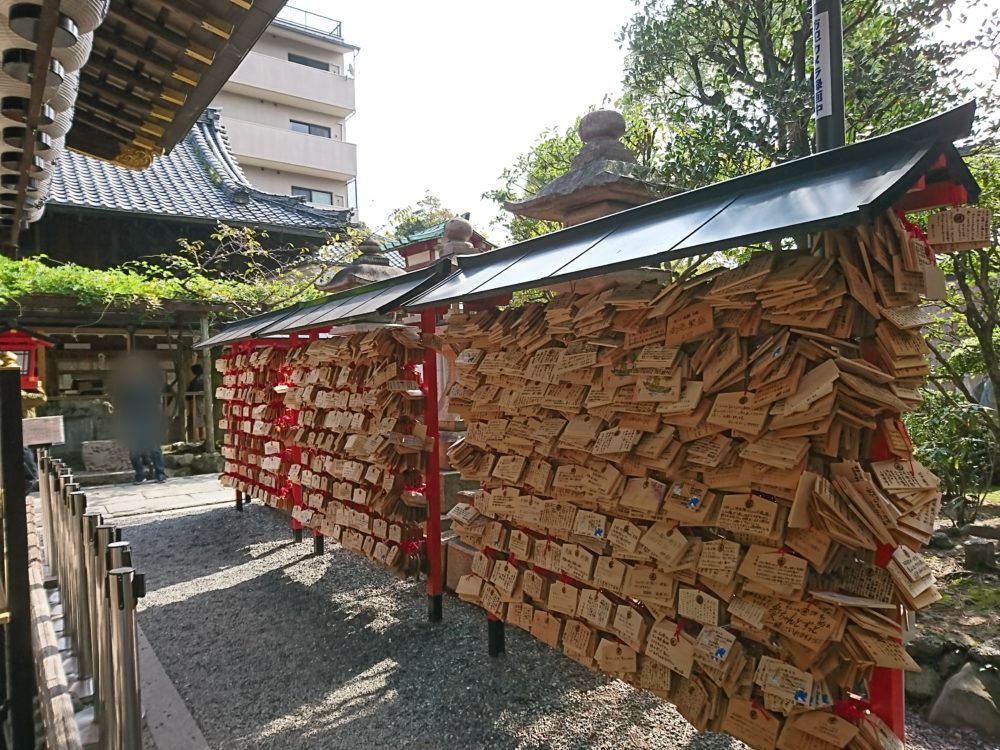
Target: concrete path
[(179, 493)]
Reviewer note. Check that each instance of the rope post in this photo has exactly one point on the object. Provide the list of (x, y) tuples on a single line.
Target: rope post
[(79, 592), (104, 535), (126, 587), (42, 461)]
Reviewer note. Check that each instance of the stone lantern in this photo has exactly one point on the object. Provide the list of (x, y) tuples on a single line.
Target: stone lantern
[(367, 268), (603, 179)]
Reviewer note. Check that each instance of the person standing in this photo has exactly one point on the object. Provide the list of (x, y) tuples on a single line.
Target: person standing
[(138, 390)]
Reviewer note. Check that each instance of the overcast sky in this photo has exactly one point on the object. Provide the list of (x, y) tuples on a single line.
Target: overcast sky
[(450, 92)]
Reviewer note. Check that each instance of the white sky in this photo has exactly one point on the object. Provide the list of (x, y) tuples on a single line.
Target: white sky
[(449, 93)]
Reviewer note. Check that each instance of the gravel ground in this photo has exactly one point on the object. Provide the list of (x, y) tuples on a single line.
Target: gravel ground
[(273, 648)]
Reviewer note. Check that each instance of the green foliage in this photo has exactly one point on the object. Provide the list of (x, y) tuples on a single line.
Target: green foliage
[(718, 88), (964, 338), (409, 220), (234, 270), (731, 82), (954, 439), (92, 287)]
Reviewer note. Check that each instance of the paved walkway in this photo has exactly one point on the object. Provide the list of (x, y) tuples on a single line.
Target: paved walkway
[(179, 493)]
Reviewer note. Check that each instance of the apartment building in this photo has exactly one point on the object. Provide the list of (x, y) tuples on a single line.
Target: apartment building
[(286, 109)]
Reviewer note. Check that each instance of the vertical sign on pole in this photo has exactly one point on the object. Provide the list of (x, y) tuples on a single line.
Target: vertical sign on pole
[(428, 326), (828, 73)]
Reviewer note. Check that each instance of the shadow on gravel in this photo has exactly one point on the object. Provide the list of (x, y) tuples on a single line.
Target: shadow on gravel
[(273, 649)]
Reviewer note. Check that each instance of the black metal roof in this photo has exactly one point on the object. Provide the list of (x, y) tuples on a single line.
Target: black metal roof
[(200, 180), (350, 306), (241, 330), (841, 187)]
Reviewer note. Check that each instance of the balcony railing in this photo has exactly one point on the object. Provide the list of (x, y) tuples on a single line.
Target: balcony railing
[(309, 21)]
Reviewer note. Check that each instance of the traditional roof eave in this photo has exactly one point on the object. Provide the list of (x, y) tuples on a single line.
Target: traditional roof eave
[(829, 190), (219, 35)]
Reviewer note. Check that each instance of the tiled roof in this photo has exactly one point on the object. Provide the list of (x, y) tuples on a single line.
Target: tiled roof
[(199, 179), (341, 255), (429, 233)]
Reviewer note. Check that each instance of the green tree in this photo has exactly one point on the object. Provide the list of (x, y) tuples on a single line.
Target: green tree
[(408, 220), (718, 88), (731, 82), (965, 336)]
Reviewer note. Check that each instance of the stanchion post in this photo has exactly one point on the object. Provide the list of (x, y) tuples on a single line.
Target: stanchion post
[(42, 462), (81, 601), (20, 668), (104, 696), (239, 501), (125, 587), (428, 326), (317, 542)]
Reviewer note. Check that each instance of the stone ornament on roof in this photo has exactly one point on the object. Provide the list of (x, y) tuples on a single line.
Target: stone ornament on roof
[(367, 268), (603, 178), (457, 233)]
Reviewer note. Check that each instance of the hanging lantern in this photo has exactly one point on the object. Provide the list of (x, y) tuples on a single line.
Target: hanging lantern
[(25, 344)]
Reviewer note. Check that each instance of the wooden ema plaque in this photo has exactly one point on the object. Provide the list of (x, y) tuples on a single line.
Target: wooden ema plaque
[(701, 518), (338, 421)]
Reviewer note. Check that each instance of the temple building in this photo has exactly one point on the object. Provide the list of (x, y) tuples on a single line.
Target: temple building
[(100, 214)]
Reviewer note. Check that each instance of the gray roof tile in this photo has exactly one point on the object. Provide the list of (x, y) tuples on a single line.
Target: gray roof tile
[(199, 179)]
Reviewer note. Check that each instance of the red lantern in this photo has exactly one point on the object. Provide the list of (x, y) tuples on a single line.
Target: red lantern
[(25, 344)]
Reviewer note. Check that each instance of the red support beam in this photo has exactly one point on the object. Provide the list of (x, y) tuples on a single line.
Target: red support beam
[(886, 692), (428, 326)]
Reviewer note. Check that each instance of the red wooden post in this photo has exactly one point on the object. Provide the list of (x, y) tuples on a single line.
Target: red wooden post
[(885, 690), (428, 325)]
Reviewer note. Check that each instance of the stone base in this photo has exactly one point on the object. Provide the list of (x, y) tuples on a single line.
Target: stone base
[(104, 455)]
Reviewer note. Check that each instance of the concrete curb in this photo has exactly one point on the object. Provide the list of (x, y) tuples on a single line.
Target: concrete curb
[(167, 718)]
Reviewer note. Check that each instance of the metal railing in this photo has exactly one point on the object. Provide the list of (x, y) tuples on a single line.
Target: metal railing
[(314, 22), (98, 591)]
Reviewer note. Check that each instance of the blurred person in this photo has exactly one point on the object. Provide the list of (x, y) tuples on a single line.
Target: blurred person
[(137, 393)]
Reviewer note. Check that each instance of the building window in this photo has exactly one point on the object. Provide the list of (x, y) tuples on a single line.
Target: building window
[(308, 61), (321, 197), (309, 128)]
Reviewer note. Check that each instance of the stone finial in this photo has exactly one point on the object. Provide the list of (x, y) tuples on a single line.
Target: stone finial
[(371, 250), (603, 178), (457, 233), (600, 132), (457, 230), (367, 268)]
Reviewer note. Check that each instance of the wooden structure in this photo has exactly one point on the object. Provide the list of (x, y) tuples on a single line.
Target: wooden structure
[(559, 393), (155, 67)]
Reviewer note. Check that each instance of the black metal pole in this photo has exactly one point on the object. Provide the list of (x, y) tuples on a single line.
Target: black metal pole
[(828, 73), (21, 686), (495, 635)]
